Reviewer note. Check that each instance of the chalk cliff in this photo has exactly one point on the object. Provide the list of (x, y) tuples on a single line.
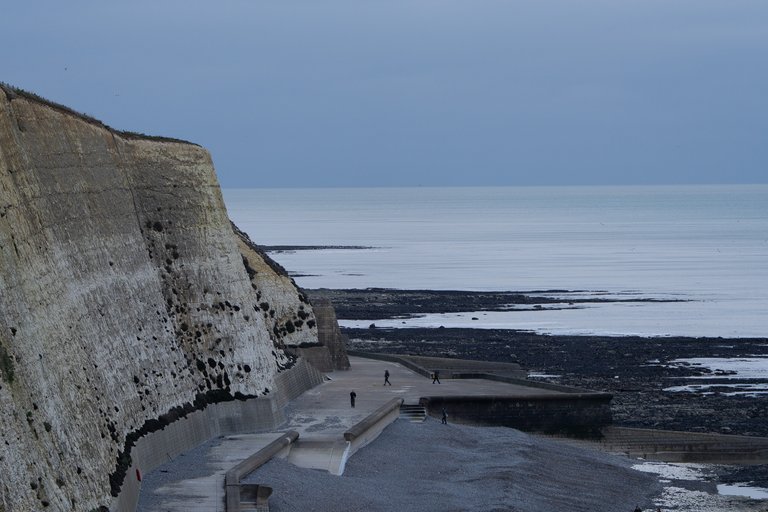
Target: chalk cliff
[(125, 300)]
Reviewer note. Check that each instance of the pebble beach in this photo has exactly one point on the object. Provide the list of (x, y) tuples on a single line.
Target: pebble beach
[(430, 466)]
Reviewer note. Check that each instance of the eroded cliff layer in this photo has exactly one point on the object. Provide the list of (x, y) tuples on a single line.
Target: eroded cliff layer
[(124, 296)]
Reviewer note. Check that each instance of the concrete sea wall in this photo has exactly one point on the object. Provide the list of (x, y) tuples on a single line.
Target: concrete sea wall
[(222, 419), (694, 447), (127, 303), (574, 414)]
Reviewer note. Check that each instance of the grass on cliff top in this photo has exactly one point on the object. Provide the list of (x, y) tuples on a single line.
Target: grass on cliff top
[(14, 92)]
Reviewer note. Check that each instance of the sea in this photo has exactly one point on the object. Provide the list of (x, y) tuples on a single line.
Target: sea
[(705, 247)]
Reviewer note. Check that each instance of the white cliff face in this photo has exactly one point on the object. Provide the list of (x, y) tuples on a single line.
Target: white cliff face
[(276, 293), (123, 295)]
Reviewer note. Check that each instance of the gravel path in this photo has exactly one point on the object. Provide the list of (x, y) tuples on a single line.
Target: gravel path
[(430, 466)]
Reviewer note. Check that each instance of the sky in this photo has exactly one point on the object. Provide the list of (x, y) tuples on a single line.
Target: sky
[(329, 93)]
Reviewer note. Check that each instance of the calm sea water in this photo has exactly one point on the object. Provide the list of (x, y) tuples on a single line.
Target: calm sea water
[(707, 245)]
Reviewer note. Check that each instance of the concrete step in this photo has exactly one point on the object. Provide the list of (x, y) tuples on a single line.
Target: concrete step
[(413, 412)]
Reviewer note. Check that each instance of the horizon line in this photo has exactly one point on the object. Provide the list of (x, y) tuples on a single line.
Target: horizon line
[(603, 185)]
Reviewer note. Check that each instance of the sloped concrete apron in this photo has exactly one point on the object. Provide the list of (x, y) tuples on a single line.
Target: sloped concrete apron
[(317, 454)]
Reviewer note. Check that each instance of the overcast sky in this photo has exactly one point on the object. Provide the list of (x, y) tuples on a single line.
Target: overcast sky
[(417, 92)]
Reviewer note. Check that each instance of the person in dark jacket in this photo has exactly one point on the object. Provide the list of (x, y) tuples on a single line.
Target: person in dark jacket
[(352, 397)]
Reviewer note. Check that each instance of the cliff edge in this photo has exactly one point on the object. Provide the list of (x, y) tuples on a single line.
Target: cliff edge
[(126, 301)]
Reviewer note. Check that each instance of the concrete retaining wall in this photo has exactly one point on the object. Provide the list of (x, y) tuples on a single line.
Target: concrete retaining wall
[(226, 418), (367, 430), (574, 414), (676, 446), (232, 478), (294, 382), (521, 382), (329, 334)]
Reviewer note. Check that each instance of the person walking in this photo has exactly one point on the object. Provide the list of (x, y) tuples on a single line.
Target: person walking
[(386, 378), (444, 419), (435, 377), (352, 397)]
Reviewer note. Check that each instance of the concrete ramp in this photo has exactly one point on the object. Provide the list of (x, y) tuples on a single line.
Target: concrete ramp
[(327, 453)]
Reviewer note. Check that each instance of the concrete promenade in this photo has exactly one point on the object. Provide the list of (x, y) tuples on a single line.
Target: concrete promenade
[(320, 415), (326, 408)]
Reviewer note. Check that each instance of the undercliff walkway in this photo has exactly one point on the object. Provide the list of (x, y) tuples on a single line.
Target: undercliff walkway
[(323, 425), (321, 416)]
